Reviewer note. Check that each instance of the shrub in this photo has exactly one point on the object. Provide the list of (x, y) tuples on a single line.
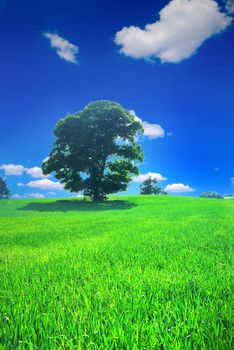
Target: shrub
[(211, 195)]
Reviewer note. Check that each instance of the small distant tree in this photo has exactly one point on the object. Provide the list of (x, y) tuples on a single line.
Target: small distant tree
[(150, 186), (211, 195), (4, 191)]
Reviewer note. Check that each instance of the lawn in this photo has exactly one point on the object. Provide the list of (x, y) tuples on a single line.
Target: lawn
[(136, 272)]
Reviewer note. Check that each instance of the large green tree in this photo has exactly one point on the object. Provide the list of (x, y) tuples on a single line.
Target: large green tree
[(95, 150), (4, 191)]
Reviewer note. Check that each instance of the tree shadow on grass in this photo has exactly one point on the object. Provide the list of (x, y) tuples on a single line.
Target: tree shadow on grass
[(78, 205)]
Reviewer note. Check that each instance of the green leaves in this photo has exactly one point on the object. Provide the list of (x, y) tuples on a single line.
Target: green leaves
[(4, 191), (132, 151), (150, 186), (86, 140)]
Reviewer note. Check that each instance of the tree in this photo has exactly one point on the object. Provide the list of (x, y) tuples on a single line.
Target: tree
[(150, 186), (211, 195), (95, 150), (4, 191)]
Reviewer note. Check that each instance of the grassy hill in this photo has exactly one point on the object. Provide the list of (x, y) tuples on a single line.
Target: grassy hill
[(136, 272)]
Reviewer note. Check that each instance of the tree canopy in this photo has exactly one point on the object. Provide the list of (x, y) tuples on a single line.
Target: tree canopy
[(150, 186), (95, 150), (211, 195), (4, 191)]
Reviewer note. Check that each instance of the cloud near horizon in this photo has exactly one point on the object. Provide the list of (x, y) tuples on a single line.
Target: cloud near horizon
[(31, 195), (35, 195), (143, 177), (178, 188), (152, 131), (35, 172), (182, 28), (16, 170), (45, 184), (17, 196), (63, 47), (12, 169)]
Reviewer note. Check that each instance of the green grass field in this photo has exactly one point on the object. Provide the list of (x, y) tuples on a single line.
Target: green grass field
[(136, 272)]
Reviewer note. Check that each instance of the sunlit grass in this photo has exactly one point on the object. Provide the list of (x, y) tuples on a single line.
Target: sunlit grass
[(139, 272)]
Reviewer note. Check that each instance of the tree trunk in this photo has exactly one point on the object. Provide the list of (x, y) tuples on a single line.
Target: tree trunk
[(97, 177)]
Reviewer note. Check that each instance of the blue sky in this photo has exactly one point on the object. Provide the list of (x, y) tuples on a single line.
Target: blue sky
[(171, 62)]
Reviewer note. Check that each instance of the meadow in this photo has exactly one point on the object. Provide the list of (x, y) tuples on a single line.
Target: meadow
[(136, 272)]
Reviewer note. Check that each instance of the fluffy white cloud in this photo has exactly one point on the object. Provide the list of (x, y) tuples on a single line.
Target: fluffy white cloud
[(45, 184), (35, 195), (64, 49), (35, 172), (152, 131), (143, 177), (178, 188), (12, 169), (20, 184), (182, 28)]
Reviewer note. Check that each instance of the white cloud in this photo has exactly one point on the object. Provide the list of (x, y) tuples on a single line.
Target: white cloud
[(35, 172), (12, 169), (232, 180), (35, 195), (230, 6), (143, 177), (178, 188), (152, 131), (45, 184), (20, 184), (16, 196), (64, 49), (30, 195), (51, 193), (216, 169), (182, 28)]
